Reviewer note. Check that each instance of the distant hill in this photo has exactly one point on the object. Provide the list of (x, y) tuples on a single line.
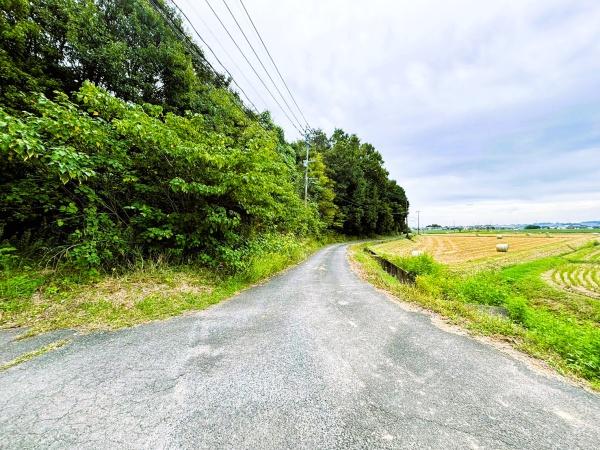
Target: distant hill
[(586, 224), (551, 225)]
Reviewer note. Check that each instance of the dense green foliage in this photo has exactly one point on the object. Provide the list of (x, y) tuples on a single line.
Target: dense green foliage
[(101, 175), (366, 201), (124, 46), (117, 141)]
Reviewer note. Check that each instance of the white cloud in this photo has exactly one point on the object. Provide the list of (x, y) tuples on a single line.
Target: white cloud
[(511, 211), (488, 103)]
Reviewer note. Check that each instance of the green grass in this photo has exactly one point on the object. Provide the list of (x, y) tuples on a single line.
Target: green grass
[(14, 288), (43, 300), (561, 327)]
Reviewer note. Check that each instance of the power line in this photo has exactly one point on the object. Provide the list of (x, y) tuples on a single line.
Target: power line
[(180, 32), (222, 47), (205, 43), (274, 65), (260, 62), (194, 49), (251, 66)]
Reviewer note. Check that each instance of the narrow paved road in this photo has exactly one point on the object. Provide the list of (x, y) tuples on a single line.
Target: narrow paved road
[(315, 358)]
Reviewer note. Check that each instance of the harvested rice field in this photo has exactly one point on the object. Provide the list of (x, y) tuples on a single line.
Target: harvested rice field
[(577, 278), (471, 249)]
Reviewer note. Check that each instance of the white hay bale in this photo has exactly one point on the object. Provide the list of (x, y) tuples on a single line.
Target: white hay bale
[(499, 236), (502, 248), (416, 253)]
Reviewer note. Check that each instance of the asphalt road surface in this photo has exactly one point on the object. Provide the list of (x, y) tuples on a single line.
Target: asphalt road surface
[(315, 358)]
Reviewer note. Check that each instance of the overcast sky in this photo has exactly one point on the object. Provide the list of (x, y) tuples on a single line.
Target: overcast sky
[(485, 111)]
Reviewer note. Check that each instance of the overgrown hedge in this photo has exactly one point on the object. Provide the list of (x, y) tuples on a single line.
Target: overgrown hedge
[(95, 178), (117, 140)]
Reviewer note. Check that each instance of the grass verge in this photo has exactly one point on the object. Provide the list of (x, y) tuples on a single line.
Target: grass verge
[(44, 300), (559, 328)]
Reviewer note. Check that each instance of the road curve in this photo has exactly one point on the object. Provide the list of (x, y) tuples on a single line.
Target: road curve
[(314, 358)]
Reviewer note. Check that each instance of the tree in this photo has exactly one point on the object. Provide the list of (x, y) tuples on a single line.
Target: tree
[(320, 191), (117, 139), (124, 46), (368, 200)]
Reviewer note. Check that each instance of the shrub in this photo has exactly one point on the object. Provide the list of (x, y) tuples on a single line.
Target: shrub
[(517, 308), (98, 179), (484, 288), (7, 258), (417, 265)]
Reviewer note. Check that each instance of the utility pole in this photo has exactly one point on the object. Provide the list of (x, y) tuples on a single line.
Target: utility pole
[(418, 222), (306, 170)]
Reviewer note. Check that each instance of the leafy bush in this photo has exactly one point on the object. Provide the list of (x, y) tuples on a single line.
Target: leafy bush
[(171, 162), (101, 178), (417, 265), (483, 288), (517, 308)]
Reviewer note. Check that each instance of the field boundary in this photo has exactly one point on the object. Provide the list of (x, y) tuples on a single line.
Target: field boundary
[(398, 272)]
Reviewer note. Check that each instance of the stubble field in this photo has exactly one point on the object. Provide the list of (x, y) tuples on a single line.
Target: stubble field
[(472, 249)]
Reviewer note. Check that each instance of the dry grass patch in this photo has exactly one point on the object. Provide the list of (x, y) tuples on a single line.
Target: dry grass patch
[(43, 300), (123, 291), (34, 354), (106, 302)]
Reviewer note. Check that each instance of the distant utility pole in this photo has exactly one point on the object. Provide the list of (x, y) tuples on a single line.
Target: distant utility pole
[(306, 170), (418, 222)]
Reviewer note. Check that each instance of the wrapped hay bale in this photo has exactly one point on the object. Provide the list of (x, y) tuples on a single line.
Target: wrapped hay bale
[(502, 248), (416, 253)]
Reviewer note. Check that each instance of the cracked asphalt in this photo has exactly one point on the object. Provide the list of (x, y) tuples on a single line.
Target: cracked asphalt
[(314, 358)]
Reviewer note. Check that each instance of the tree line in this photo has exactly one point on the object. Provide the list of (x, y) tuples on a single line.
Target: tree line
[(118, 140)]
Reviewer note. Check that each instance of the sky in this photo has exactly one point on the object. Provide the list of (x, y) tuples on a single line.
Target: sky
[(484, 111)]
